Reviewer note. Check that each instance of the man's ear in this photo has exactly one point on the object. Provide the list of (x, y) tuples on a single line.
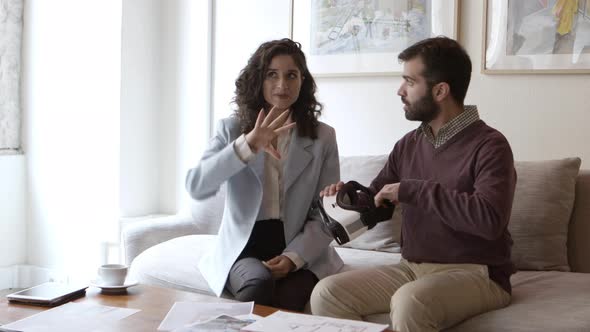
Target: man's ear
[(440, 91)]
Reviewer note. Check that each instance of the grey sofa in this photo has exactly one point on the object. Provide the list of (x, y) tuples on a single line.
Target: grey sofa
[(550, 224)]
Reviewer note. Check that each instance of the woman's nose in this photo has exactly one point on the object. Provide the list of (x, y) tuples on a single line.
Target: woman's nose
[(282, 84)]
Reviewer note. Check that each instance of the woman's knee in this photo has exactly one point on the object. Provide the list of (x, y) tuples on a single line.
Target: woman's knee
[(259, 290), (293, 292), (249, 280)]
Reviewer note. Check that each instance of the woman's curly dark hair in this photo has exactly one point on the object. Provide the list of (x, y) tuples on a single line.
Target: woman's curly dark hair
[(249, 96)]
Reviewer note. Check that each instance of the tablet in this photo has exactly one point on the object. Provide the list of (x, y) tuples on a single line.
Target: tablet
[(48, 294)]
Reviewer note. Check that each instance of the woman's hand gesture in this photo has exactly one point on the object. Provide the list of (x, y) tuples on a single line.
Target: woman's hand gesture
[(265, 131)]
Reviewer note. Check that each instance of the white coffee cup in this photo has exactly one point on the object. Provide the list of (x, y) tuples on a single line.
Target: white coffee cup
[(112, 274)]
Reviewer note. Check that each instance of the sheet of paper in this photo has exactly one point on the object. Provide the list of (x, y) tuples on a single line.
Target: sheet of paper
[(286, 322), (72, 317), (185, 313), (221, 323)]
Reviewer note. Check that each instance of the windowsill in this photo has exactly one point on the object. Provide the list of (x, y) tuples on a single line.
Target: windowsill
[(10, 152)]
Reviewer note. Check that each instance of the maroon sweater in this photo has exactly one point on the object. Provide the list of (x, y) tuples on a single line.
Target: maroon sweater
[(456, 199)]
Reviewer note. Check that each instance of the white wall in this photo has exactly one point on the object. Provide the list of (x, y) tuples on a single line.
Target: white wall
[(13, 222), (366, 112), (71, 84)]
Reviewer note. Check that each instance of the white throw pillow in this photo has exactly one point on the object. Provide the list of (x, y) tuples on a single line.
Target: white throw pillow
[(385, 235)]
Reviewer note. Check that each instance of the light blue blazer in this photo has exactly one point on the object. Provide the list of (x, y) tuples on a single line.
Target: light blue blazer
[(310, 166)]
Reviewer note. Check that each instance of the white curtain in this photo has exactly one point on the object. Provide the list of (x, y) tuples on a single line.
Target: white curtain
[(71, 99), (10, 45)]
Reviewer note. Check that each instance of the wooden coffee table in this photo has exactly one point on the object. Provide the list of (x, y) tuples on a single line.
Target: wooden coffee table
[(154, 303)]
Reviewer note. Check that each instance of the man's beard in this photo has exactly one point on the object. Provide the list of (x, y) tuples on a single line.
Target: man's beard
[(424, 109)]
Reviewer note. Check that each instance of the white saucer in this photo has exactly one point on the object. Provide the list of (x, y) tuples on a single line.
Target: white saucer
[(115, 288)]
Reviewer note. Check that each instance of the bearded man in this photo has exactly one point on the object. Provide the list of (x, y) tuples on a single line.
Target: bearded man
[(454, 177)]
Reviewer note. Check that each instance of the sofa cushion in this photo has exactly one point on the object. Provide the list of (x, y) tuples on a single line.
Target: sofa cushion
[(385, 235), (174, 264), (543, 202), (541, 301)]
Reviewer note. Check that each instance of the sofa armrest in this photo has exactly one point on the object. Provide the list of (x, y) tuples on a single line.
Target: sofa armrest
[(144, 234)]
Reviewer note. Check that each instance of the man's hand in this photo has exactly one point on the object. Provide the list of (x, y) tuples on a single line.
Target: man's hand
[(331, 189), (279, 266), (265, 131), (389, 192)]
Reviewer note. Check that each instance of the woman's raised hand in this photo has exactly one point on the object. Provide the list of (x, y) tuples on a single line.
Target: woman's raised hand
[(265, 131)]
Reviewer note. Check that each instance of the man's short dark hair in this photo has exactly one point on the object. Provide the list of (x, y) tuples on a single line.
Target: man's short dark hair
[(445, 60)]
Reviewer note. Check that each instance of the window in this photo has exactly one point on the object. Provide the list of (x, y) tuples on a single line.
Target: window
[(10, 56)]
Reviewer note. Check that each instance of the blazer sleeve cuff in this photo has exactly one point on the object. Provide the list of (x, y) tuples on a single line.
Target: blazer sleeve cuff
[(242, 149), (295, 259)]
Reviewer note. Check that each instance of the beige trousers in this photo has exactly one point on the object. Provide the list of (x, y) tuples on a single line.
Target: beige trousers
[(419, 297)]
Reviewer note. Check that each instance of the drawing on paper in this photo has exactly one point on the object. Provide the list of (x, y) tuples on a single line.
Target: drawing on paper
[(548, 27), (367, 26)]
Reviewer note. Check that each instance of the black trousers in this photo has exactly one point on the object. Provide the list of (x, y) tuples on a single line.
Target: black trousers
[(250, 280)]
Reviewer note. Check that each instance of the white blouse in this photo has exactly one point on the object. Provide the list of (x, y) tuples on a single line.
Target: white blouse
[(273, 184)]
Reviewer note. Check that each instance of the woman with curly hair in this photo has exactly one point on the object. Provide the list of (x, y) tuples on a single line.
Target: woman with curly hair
[(274, 156)]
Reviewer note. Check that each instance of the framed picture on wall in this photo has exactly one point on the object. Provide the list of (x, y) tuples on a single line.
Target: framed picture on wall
[(364, 37), (544, 36)]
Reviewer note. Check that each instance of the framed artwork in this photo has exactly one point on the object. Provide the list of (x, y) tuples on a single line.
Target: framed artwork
[(542, 36), (364, 37)]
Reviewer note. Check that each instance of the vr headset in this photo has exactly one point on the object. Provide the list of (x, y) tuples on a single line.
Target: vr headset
[(351, 212)]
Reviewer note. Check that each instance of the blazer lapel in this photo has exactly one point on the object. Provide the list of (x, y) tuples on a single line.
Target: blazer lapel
[(298, 158)]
